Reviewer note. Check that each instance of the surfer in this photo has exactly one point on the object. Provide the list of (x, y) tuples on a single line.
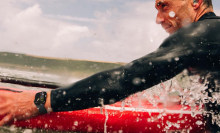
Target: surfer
[(193, 44)]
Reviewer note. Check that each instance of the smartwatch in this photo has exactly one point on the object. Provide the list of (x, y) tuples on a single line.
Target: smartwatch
[(40, 100)]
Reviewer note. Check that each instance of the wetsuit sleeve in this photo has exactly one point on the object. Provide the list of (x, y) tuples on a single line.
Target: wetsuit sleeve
[(116, 84), (175, 54)]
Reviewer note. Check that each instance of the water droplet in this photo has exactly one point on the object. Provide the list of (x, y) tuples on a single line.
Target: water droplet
[(177, 59), (101, 101), (111, 101), (27, 131), (69, 101), (172, 14), (143, 80), (176, 125), (136, 81), (12, 128), (158, 125), (38, 122), (78, 99), (89, 129), (76, 123), (199, 122), (117, 72), (73, 127), (169, 124)]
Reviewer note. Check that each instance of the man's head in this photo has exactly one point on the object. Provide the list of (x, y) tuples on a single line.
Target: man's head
[(174, 14)]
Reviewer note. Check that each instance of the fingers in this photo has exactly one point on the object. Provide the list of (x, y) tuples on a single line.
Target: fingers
[(4, 105), (6, 119), (4, 108), (4, 111)]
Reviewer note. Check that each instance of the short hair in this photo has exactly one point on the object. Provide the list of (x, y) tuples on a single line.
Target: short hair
[(208, 3)]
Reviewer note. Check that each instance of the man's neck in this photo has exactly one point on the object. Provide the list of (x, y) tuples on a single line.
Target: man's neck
[(202, 11)]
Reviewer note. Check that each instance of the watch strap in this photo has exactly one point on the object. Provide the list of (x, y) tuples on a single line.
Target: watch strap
[(41, 109)]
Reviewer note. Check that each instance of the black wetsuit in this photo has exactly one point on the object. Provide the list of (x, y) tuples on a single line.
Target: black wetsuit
[(196, 45)]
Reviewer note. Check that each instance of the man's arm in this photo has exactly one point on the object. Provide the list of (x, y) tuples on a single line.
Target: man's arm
[(113, 85)]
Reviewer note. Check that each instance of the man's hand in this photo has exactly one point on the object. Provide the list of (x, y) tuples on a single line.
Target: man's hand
[(17, 106)]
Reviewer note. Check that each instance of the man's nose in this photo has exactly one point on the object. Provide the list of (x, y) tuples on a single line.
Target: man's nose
[(160, 18)]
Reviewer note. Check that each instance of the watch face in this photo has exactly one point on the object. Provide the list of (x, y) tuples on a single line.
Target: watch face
[(40, 98)]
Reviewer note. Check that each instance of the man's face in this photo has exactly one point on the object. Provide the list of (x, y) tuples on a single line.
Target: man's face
[(174, 14)]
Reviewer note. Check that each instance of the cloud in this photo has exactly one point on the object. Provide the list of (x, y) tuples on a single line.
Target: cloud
[(65, 17), (29, 31), (125, 36), (112, 35)]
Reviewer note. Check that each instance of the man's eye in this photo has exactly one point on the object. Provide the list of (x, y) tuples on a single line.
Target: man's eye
[(163, 6)]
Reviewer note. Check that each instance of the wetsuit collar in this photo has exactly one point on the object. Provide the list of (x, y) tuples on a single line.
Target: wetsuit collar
[(207, 15)]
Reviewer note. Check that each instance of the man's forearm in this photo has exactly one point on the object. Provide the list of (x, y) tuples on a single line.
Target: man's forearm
[(110, 86)]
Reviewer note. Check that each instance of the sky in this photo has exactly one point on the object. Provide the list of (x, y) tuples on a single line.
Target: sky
[(103, 30)]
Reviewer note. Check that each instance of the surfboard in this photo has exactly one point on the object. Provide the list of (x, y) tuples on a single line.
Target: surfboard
[(129, 116)]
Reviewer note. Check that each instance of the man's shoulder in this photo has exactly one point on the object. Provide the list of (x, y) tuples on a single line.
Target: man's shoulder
[(203, 31), (212, 17)]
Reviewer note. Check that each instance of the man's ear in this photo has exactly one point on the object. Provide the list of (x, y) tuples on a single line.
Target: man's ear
[(196, 4)]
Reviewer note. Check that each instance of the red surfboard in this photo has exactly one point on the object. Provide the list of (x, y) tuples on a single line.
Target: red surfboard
[(133, 115)]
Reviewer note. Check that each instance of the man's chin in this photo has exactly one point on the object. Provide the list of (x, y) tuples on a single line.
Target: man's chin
[(170, 30), (170, 33)]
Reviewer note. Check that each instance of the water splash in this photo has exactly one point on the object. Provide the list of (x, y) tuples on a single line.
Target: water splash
[(185, 89), (106, 119), (101, 102)]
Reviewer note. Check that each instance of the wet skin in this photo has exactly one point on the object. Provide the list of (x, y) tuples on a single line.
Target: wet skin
[(174, 14)]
